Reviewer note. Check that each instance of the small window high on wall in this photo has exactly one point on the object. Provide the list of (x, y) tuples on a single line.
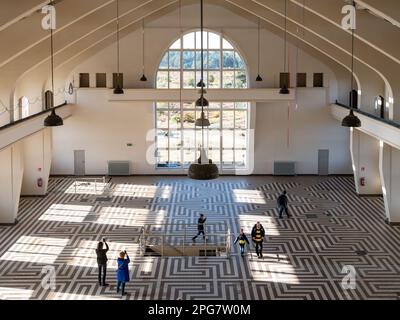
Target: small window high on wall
[(23, 107), (84, 80), (284, 79), (101, 80), (115, 80), (302, 80), (318, 80)]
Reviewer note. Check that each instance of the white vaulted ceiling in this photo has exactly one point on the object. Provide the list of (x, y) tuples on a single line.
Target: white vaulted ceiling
[(82, 25)]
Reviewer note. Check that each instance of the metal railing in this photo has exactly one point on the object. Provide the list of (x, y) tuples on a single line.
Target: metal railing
[(176, 240)]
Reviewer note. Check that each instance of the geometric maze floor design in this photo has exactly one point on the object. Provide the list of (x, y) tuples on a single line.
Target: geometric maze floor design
[(331, 227)]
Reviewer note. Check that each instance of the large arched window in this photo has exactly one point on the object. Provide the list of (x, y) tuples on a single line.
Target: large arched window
[(181, 63), (178, 139)]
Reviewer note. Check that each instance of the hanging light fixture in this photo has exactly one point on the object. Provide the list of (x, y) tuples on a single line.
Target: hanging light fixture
[(284, 89), (118, 89), (53, 120), (143, 78), (258, 79), (204, 169), (352, 120)]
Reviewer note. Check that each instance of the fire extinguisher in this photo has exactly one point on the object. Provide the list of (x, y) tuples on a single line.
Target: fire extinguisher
[(362, 181), (40, 182)]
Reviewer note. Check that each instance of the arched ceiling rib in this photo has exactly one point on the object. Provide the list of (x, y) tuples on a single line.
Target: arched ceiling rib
[(385, 9)]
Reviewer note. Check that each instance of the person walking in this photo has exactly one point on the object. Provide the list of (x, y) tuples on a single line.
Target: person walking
[(258, 234), (282, 203), (200, 227), (122, 271), (242, 241), (101, 254)]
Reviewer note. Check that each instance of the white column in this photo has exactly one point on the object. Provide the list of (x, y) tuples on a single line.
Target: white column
[(389, 163), (11, 171), (365, 159), (37, 163)]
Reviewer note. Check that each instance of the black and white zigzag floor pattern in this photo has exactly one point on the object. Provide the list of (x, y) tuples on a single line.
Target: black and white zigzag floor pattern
[(332, 231)]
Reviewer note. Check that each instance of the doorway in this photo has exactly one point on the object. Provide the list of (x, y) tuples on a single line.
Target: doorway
[(79, 162)]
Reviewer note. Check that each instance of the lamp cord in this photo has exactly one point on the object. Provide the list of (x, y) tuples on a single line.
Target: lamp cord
[(202, 75), (118, 75), (258, 67), (352, 65), (284, 64)]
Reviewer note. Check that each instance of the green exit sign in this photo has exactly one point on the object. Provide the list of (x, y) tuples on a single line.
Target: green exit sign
[(129, 144)]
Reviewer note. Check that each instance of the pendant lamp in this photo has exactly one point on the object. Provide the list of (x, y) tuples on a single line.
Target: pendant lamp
[(285, 89), (352, 121), (259, 78), (53, 120), (118, 89), (143, 78), (204, 169)]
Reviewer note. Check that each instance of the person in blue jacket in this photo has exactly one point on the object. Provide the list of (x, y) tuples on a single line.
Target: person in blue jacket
[(122, 271), (242, 241)]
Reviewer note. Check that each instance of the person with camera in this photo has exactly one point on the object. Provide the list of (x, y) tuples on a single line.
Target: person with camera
[(122, 271), (101, 254)]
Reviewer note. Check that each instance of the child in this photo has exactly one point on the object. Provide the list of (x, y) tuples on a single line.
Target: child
[(242, 241)]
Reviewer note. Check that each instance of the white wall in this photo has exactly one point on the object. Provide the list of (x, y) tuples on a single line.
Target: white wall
[(298, 137)]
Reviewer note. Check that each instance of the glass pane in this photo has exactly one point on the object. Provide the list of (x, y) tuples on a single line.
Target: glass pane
[(227, 159), (228, 119), (198, 77), (228, 79), (226, 44), (164, 61), (214, 60), (189, 119), (188, 59), (214, 79), (240, 158), (241, 105), (175, 157), (189, 138), (239, 63), (241, 80), (240, 139), (162, 119), (228, 105), (215, 155), (174, 60), (175, 105), (241, 119), (174, 119), (215, 105), (214, 41), (162, 79), (174, 79), (188, 41), (215, 119), (227, 139), (189, 156), (198, 40), (214, 139), (199, 137), (162, 105), (198, 60), (188, 105), (162, 138), (175, 140), (188, 79), (176, 44), (229, 60), (162, 158)]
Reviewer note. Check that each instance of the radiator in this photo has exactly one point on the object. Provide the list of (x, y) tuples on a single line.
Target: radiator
[(119, 168), (284, 168)]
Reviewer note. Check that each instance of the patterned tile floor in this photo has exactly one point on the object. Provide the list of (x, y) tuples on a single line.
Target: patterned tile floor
[(304, 257)]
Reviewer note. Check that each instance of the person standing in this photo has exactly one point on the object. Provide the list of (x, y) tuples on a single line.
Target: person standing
[(102, 261), (258, 234), (282, 202), (122, 271), (200, 227), (242, 241)]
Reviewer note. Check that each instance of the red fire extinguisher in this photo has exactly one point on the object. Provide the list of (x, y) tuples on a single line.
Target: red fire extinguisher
[(40, 182), (362, 181)]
